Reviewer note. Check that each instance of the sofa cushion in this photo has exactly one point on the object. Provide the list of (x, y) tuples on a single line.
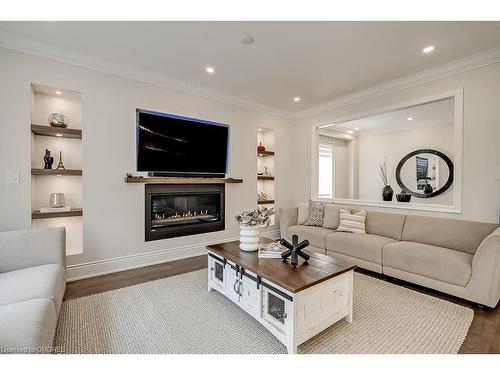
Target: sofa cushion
[(315, 235), (385, 224), (363, 246), (438, 263), (453, 234), (46, 281), (27, 324)]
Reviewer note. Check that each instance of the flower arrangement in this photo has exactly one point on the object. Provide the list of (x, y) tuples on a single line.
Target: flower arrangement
[(259, 216), (383, 174)]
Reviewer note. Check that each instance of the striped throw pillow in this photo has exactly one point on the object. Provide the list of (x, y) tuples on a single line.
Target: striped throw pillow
[(352, 223)]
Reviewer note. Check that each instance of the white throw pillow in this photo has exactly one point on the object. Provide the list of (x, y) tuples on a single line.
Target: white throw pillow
[(303, 214), (353, 223)]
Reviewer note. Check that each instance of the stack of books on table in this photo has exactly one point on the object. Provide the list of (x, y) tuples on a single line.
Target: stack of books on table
[(271, 250), (45, 210)]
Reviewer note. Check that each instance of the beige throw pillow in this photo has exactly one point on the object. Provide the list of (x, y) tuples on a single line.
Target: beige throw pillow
[(332, 216), (303, 214), (353, 223)]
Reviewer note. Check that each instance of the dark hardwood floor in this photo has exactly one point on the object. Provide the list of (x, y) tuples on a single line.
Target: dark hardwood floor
[(99, 284), (483, 336)]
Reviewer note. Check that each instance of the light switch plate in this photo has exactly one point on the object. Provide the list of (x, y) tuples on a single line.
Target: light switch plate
[(13, 178)]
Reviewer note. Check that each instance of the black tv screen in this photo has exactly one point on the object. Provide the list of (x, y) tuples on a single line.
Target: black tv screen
[(178, 145)]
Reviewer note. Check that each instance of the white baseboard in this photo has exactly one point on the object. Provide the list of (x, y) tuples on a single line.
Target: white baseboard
[(106, 266)]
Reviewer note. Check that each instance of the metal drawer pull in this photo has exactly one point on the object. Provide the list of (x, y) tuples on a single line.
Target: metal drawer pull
[(237, 284)]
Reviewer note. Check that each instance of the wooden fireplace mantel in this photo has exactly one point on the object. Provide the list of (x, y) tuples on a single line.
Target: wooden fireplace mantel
[(181, 180)]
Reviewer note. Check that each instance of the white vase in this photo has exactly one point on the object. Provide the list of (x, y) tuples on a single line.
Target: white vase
[(249, 237)]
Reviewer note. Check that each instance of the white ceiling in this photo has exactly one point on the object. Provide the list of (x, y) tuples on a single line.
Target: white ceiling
[(318, 61)]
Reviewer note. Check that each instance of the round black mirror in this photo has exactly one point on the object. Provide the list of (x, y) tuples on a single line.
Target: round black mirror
[(425, 173)]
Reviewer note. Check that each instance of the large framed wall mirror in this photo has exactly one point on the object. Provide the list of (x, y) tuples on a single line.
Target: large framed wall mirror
[(407, 156)]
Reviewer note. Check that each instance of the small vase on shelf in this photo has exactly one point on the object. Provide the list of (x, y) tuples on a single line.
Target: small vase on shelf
[(403, 196), (387, 193)]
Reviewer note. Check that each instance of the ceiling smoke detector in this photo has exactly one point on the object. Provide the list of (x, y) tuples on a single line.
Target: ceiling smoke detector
[(246, 40)]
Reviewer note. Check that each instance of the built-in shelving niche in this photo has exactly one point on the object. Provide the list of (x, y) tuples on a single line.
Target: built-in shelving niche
[(47, 100), (266, 159)]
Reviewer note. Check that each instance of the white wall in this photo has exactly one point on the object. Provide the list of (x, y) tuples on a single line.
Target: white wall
[(481, 148), (374, 149), (113, 210)]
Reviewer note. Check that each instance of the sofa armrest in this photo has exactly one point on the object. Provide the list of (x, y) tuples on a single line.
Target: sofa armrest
[(486, 267), (288, 217), (34, 247)]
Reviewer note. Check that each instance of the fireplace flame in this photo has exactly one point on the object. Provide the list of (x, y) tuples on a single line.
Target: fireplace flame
[(180, 215)]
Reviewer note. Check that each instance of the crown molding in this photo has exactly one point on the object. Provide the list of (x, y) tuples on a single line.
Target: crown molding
[(442, 71), (34, 47)]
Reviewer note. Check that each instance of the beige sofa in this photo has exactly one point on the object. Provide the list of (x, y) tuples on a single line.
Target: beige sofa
[(32, 285), (457, 257)]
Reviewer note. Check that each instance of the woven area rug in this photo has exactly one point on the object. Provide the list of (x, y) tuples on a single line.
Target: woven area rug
[(178, 315)]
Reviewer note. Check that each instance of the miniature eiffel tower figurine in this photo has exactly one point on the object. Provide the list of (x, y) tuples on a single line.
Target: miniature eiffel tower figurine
[(60, 165), (294, 250)]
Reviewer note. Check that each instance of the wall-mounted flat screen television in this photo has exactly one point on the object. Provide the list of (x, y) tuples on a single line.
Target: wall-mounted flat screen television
[(173, 145)]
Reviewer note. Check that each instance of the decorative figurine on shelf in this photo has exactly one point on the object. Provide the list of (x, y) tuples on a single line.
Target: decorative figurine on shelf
[(262, 196), (266, 171), (48, 160), (260, 149), (60, 165), (294, 250), (57, 120)]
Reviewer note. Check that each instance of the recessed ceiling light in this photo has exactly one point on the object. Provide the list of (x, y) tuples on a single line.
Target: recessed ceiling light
[(58, 92), (410, 118), (246, 39), (428, 49), (210, 69), (356, 129), (259, 129), (58, 135), (296, 99)]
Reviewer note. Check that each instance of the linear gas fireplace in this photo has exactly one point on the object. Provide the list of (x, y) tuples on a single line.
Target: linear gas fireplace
[(182, 210)]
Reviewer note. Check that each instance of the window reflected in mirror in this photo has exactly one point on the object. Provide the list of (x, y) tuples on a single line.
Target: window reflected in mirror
[(419, 139)]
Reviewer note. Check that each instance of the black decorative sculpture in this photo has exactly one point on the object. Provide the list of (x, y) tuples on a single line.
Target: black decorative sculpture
[(294, 250), (48, 160)]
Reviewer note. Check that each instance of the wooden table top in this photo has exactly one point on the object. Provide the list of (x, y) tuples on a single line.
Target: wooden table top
[(318, 269)]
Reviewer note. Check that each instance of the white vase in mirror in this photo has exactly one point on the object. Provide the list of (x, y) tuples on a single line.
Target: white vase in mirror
[(249, 237)]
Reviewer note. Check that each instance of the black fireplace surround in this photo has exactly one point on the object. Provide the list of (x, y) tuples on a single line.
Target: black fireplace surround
[(183, 210)]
